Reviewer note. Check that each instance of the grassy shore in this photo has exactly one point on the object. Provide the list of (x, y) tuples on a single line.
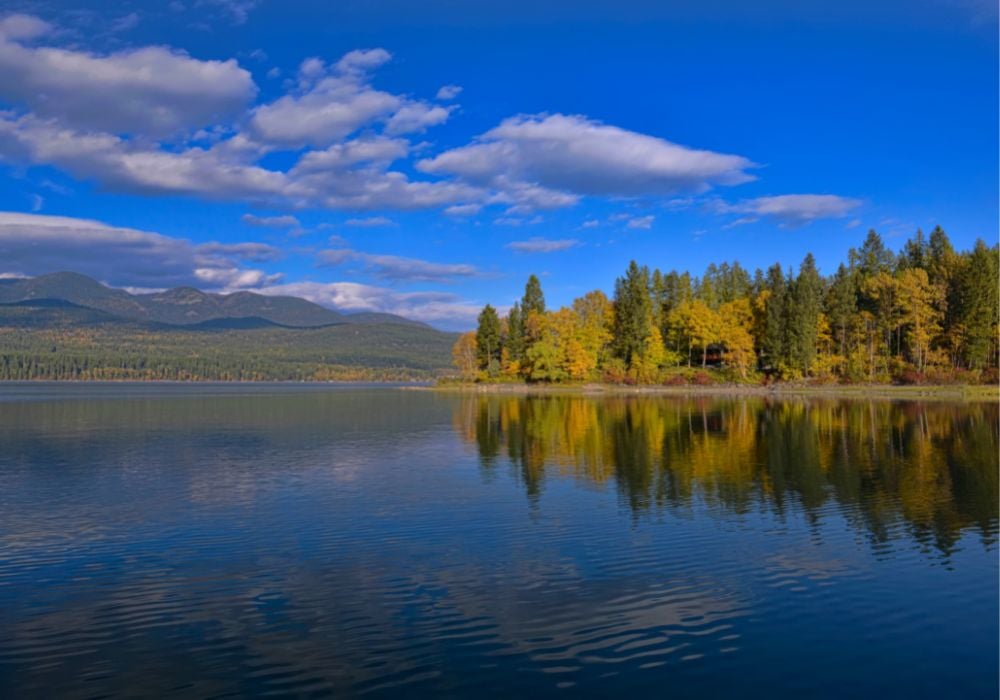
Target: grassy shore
[(856, 391)]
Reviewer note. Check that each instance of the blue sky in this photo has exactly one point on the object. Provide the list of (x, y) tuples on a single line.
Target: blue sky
[(424, 158)]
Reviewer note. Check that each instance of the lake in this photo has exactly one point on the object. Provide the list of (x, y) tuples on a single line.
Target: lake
[(211, 541)]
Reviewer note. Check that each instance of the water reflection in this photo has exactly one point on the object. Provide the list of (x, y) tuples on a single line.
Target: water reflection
[(242, 542), (931, 466)]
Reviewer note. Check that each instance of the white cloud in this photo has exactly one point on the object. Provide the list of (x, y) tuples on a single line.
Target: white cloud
[(394, 267), (463, 209), (132, 167), (376, 151), (20, 27), (363, 60), (641, 222), (543, 245), (449, 92), (789, 209), (152, 91), (32, 244), (285, 221), (441, 308), (125, 22), (220, 172), (371, 222), (333, 102), (590, 223), (517, 221), (416, 118), (575, 156), (253, 252)]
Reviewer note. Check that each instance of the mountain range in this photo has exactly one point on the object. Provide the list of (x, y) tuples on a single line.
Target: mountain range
[(69, 326), (182, 306)]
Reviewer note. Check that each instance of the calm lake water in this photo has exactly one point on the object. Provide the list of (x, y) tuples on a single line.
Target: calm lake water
[(209, 541)]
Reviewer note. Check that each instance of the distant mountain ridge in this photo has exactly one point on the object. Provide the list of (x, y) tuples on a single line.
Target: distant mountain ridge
[(185, 306)]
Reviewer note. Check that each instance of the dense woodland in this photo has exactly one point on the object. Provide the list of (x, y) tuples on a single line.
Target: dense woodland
[(928, 314), (55, 343)]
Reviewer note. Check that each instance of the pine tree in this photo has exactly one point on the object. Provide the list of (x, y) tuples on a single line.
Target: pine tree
[(488, 340), (633, 312), (514, 343), (979, 306), (533, 300), (841, 306), (803, 316), (915, 252), (773, 343)]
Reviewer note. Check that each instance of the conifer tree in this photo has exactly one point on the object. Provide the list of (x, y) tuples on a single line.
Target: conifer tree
[(633, 312), (773, 343), (979, 306), (514, 343), (533, 300), (803, 316), (488, 339)]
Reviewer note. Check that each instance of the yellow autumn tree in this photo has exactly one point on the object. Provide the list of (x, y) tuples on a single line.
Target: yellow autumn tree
[(919, 304), (735, 325), (465, 356)]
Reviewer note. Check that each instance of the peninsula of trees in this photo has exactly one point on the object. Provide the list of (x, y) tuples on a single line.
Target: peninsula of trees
[(928, 314)]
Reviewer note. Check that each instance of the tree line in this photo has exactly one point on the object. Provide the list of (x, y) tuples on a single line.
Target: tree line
[(926, 314)]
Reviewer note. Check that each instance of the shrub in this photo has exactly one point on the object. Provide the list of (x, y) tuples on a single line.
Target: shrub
[(702, 379)]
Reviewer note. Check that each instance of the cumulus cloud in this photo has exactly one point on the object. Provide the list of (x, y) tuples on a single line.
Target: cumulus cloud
[(33, 244), (396, 268), (443, 309), (184, 126), (463, 209), (543, 245), (220, 172), (449, 92), (155, 91), (789, 209), (333, 102), (575, 156), (286, 221)]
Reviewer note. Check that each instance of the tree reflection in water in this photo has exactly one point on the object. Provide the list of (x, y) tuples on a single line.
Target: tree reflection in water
[(928, 467)]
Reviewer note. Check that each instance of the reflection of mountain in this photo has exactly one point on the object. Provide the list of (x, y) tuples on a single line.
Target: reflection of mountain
[(929, 467)]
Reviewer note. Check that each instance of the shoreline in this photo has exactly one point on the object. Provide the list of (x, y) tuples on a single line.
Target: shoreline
[(957, 392)]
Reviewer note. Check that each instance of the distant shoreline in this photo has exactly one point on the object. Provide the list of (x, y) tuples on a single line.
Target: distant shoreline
[(946, 392), (957, 392)]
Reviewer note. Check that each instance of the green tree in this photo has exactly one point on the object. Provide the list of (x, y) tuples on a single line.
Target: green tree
[(488, 346), (841, 306), (514, 342), (633, 312), (979, 306), (803, 316), (533, 300), (773, 343)]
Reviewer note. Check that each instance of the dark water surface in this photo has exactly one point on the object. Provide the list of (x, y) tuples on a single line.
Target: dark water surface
[(243, 541)]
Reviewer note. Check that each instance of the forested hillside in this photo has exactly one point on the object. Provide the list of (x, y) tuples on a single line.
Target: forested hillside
[(927, 314), (51, 338), (182, 305)]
